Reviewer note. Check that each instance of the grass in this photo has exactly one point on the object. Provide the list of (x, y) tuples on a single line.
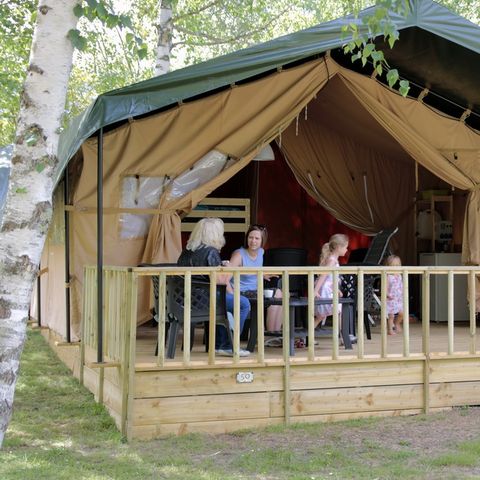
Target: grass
[(59, 432)]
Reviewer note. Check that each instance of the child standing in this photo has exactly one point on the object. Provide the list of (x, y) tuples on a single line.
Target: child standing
[(336, 247), (394, 296)]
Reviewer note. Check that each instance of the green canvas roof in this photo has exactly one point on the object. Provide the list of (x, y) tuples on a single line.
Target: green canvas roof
[(437, 49)]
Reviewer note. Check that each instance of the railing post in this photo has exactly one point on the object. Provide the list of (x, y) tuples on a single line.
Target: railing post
[(260, 319), (335, 322), (286, 345), (236, 315), (383, 313), (162, 321), (311, 317), (360, 314), (128, 393), (213, 318), (450, 312), (406, 316), (426, 339), (187, 324), (472, 304)]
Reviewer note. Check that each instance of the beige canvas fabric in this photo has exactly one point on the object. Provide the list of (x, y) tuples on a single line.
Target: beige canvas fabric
[(352, 127), (237, 122), (445, 146), (350, 165)]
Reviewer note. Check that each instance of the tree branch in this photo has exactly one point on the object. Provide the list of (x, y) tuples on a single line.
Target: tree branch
[(197, 11), (212, 40)]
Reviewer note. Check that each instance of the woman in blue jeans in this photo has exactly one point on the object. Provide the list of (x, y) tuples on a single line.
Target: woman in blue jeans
[(203, 250), (251, 255)]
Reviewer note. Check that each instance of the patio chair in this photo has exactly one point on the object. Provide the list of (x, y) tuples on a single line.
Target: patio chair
[(200, 309), (375, 254), (286, 257)]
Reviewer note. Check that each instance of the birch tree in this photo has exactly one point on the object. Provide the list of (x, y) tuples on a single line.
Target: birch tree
[(28, 206)]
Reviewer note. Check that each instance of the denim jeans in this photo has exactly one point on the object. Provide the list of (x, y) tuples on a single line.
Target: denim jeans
[(221, 338)]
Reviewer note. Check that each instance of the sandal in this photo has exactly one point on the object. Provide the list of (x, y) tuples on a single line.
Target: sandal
[(274, 342), (299, 343)]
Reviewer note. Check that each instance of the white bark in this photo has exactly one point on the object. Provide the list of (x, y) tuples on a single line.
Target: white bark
[(164, 43), (29, 202)]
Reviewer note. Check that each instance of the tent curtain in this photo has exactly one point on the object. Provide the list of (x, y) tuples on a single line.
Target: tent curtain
[(359, 185), (444, 146)]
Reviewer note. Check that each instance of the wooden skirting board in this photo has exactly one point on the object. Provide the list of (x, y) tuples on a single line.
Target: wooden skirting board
[(180, 400)]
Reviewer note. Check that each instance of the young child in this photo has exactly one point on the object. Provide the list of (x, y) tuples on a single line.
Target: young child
[(394, 296), (336, 247)]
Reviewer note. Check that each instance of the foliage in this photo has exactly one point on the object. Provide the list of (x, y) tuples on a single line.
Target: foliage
[(361, 44), (112, 51), (208, 29), (112, 55), (17, 18), (58, 431)]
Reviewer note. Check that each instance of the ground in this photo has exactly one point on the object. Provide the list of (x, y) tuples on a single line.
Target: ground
[(59, 432)]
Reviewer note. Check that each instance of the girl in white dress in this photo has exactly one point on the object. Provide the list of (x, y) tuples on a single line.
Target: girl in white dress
[(336, 247)]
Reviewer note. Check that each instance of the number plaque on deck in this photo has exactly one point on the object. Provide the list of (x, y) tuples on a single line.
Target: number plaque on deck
[(244, 377)]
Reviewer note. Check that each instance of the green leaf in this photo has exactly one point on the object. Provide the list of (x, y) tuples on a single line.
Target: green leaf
[(364, 61), (142, 52), (79, 42), (379, 70), (78, 10), (126, 21), (21, 190), (380, 13), (111, 21), (92, 3), (357, 56), (102, 11), (369, 48), (404, 87), (377, 56), (40, 167), (392, 77)]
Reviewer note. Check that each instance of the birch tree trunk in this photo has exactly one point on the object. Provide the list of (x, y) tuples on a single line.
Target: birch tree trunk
[(165, 32), (28, 206)]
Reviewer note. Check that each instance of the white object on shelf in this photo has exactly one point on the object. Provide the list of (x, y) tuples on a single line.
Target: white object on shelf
[(425, 223), (439, 287)]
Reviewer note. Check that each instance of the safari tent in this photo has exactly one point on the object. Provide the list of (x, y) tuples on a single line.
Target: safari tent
[(164, 144)]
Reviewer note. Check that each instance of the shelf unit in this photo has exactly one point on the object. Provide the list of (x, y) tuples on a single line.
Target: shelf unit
[(445, 202)]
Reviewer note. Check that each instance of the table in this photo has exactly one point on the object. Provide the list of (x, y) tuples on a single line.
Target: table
[(296, 302)]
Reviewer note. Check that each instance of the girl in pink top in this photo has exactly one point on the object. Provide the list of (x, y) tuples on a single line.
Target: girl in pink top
[(394, 296)]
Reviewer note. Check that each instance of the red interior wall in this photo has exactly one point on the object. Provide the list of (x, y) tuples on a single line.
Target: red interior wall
[(293, 218)]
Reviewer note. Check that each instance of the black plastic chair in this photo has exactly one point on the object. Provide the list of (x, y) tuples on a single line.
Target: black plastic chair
[(200, 309), (287, 257), (375, 254)]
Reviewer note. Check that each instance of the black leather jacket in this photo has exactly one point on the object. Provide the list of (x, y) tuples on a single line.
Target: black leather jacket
[(202, 257)]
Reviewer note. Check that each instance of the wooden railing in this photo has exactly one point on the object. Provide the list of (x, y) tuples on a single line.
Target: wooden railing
[(121, 294), (116, 321)]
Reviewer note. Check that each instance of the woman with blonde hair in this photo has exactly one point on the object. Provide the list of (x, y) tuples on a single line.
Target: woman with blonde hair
[(203, 250)]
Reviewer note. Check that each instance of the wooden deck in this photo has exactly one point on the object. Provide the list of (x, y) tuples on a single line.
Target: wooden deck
[(147, 338), (431, 366), (200, 398)]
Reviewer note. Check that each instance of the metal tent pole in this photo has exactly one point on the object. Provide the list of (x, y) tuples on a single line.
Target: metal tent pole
[(100, 246)]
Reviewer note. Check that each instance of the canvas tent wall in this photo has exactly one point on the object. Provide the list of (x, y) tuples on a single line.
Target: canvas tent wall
[(350, 141)]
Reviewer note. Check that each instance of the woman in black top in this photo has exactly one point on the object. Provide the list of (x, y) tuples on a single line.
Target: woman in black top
[(203, 250)]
